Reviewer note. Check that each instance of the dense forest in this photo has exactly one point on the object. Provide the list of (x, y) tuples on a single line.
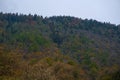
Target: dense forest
[(33, 47)]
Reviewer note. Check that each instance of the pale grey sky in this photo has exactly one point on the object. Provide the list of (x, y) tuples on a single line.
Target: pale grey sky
[(101, 10)]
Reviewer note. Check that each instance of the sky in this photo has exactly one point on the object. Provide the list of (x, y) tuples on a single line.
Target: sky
[(101, 10)]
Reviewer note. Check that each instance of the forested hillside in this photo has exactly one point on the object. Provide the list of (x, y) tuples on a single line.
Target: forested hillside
[(58, 48)]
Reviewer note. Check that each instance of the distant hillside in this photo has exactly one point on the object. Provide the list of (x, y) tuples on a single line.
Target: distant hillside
[(69, 48)]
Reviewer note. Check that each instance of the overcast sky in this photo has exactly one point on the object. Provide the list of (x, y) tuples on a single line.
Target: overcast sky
[(101, 10)]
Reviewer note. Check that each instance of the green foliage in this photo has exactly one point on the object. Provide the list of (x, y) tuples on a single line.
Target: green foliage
[(71, 62), (49, 61)]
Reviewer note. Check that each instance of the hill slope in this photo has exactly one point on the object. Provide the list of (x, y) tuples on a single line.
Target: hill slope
[(87, 49)]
